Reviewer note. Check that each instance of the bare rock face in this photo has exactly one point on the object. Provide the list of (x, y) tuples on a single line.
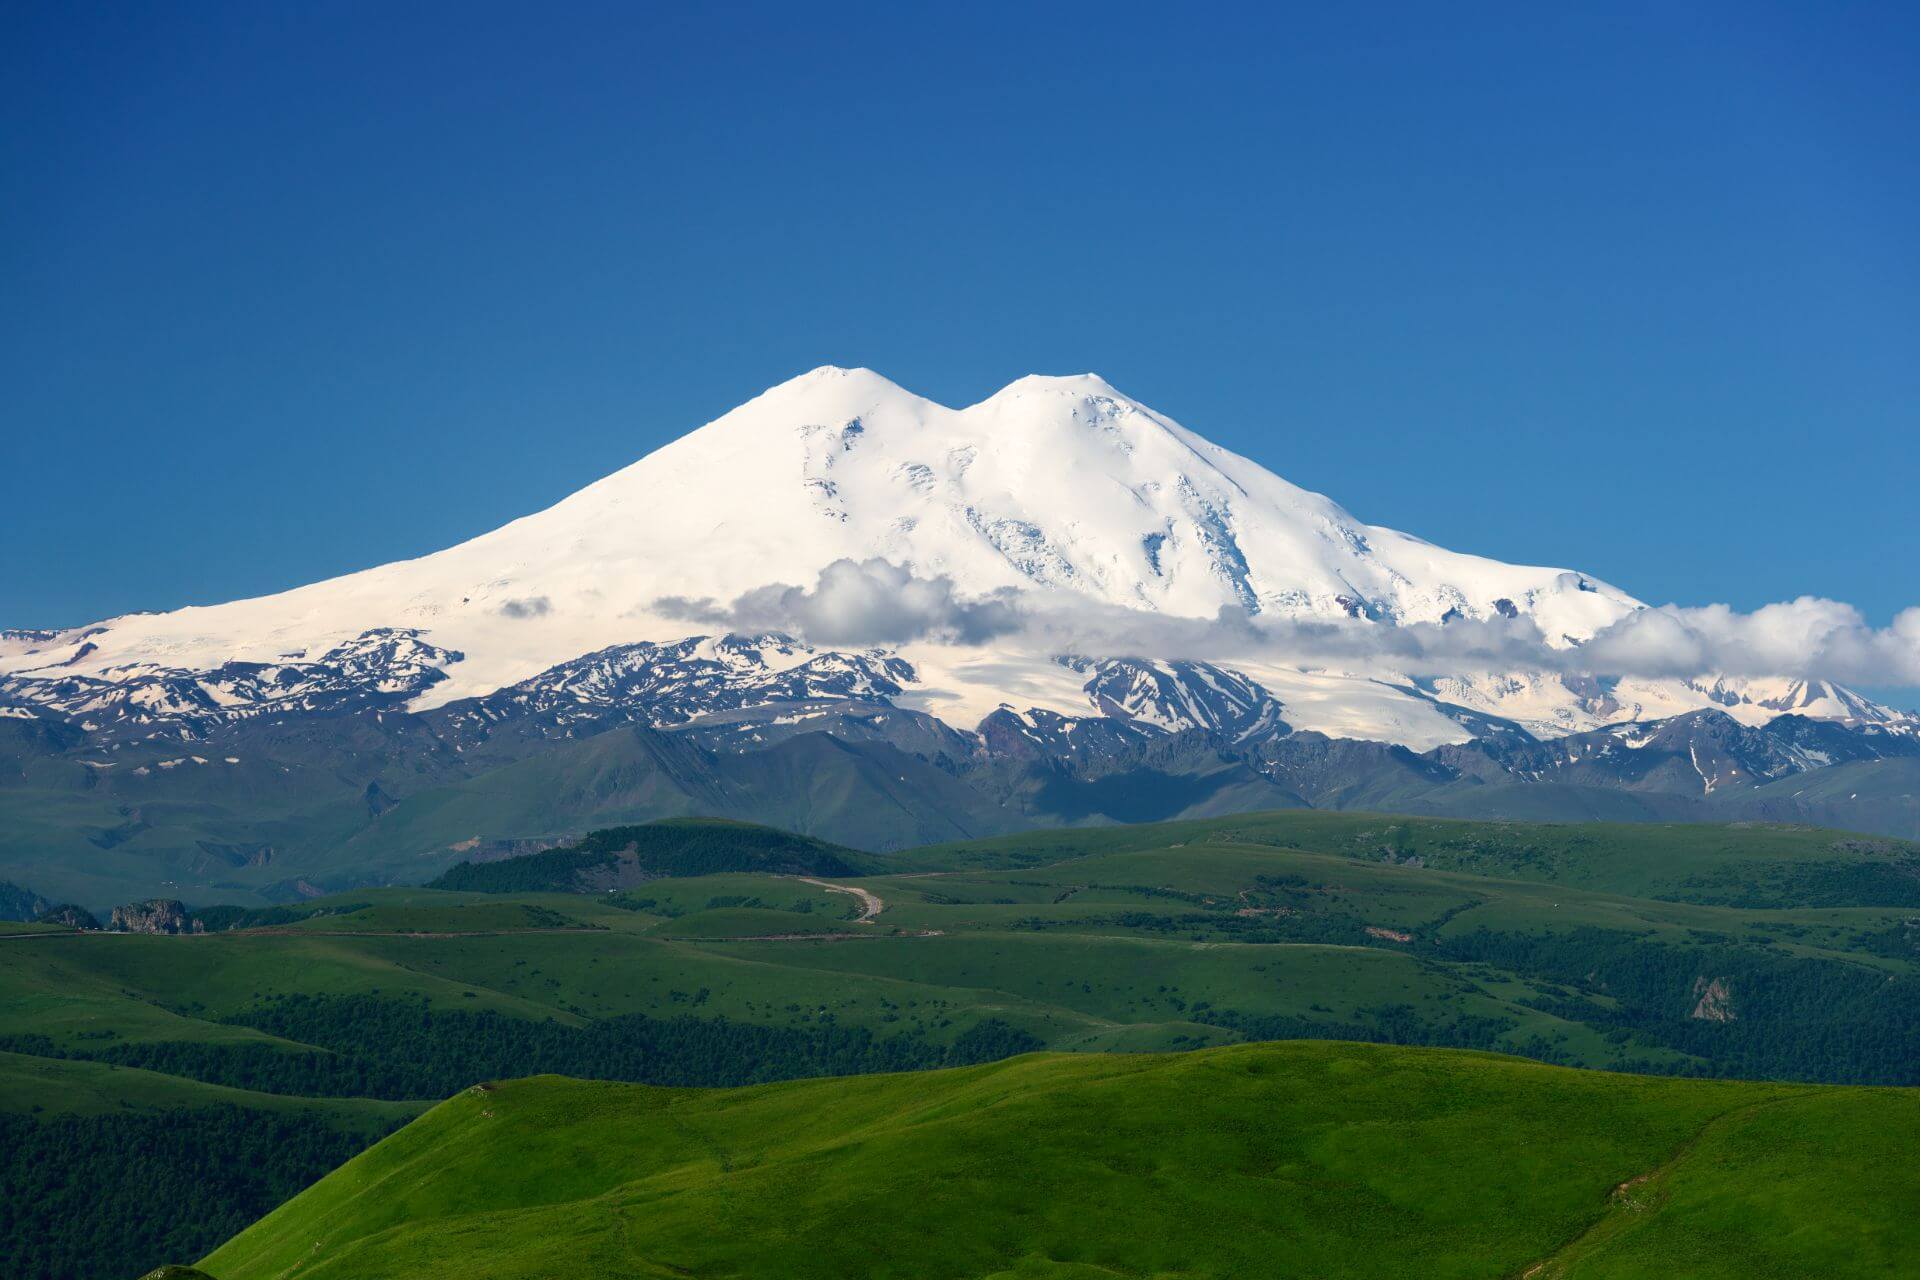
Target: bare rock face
[(157, 915), (1716, 1000)]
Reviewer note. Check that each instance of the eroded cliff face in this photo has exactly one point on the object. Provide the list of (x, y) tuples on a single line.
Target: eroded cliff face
[(157, 915), (1716, 1000)]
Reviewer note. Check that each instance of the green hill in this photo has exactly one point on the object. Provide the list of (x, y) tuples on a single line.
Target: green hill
[(1740, 864), (1765, 952), (1325, 1160), (620, 857)]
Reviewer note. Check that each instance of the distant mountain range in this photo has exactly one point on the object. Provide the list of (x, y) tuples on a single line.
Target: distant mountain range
[(634, 652)]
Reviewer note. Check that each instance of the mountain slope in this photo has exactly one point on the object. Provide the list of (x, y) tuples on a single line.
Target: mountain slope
[(1324, 1160)]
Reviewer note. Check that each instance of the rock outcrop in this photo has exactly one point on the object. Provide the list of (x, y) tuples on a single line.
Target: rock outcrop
[(157, 915), (1716, 1000)]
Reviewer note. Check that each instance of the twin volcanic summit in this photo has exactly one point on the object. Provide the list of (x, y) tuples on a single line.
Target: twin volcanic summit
[(845, 608)]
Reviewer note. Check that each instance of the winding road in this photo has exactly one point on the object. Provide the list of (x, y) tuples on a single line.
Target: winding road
[(870, 903)]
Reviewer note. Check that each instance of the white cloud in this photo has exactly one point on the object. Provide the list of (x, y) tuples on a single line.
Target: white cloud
[(855, 603), (876, 602), (1810, 637)]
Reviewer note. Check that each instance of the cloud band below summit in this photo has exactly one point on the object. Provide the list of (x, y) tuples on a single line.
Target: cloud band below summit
[(876, 602)]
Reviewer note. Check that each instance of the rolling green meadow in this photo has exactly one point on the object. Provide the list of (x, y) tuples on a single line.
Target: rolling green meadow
[(1300, 1159), (1736, 995)]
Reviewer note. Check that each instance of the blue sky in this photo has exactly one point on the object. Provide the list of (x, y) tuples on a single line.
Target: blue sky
[(286, 291)]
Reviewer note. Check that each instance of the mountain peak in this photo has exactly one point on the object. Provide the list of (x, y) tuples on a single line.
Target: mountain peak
[(831, 372), (1078, 385), (839, 380), (833, 379), (824, 395)]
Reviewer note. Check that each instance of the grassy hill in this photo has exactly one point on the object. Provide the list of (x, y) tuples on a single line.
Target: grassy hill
[(1322, 1160), (620, 857), (1761, 952), (1588, 945), (1751, 864)]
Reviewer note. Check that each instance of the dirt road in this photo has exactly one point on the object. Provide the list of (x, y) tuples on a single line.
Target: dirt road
[(870, 903)]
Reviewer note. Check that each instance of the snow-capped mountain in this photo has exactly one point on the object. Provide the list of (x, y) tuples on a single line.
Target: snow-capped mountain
[(684, 638), (1058, 486)]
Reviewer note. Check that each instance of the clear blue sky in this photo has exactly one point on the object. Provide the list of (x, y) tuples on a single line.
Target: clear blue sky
[(290, 290)]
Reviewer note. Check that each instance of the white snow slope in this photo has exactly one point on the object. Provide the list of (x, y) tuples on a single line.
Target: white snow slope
[(1056, 483)]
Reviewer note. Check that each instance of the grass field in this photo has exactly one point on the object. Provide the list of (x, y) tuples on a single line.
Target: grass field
[(1323, 1160), (1762, 953), (1150, 937), (53, 1087), (1740, 864)]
